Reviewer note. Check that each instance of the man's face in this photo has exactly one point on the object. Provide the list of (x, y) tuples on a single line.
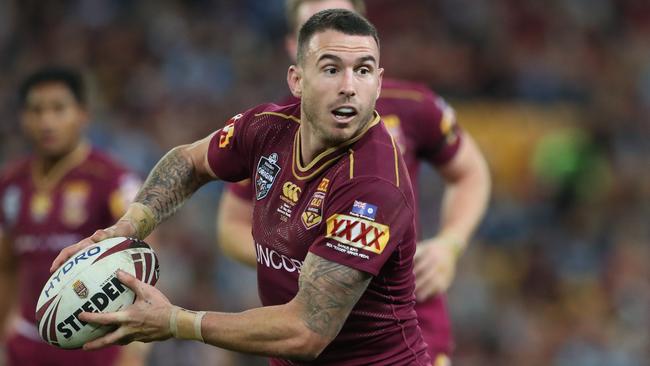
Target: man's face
[(305, 11), (53, 119), (338, 81)]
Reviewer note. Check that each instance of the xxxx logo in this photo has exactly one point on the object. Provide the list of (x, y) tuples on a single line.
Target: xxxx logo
[(291, 191), (358, 232)]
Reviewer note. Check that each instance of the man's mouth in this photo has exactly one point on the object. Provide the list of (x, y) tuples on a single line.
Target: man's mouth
[(344, 114)]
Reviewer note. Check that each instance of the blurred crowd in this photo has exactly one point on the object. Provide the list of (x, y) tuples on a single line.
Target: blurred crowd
[(557, 93)]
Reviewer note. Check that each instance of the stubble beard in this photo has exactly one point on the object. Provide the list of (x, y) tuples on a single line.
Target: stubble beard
[(330, 139)]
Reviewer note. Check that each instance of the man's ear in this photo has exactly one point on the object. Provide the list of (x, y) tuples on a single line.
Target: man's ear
[(381, 78), (294, 79)]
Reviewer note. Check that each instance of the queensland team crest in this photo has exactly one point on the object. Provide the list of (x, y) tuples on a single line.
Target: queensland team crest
[(80, 289), (40, 206), (75, 198), (265, 174), (313, 214)]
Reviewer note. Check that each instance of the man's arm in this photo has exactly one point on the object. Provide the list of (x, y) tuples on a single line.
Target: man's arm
[(467, 191), (300, 329), (180, 173), (234, 225), (171, 182), (7, 281)]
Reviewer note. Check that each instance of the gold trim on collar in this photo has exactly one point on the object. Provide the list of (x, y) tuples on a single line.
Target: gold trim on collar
[(319, 157), (392, 140), (351, 163), (45, 182), (296, 160)]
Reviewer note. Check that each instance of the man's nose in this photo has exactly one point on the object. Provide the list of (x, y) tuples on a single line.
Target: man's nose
[(347, 84), (46, 119)]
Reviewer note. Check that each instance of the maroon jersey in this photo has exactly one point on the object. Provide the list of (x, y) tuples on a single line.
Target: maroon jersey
[(42, 215), (352, 205), (424, 127)]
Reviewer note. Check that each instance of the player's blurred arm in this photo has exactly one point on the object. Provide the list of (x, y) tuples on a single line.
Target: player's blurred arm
[(300, 329), (234, 228), (467, 191), (179, 173), (7, 281)]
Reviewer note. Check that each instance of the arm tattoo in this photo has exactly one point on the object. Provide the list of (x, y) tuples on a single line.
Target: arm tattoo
[(328, 291), (171, 182)]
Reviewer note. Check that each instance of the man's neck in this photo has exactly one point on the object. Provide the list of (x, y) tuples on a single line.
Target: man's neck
[(310, 146), (46, 163)]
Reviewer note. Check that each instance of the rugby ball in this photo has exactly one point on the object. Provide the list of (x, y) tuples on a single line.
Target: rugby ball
[(88, 282)]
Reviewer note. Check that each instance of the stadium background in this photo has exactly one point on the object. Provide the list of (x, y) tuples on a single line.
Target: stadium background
[(556, 92)]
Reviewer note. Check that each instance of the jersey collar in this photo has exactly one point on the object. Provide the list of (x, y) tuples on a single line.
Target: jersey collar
[(47, 181), (327, 157)]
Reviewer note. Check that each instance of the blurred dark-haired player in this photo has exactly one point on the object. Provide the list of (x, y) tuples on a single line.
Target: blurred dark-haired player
[(425, 129), (50, 199)]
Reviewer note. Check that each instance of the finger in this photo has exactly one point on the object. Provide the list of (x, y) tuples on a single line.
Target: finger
[(106, 340), (444, 280), (104, 318), (439, 285), (421, 266), (419, 252), (67, 252), (425, 264), (424, 291), (130, 282), (425, 285), (104, 234)]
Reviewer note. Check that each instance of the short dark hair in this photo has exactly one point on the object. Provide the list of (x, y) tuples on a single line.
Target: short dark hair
[(69, 77), (340, 20), (292, 6)]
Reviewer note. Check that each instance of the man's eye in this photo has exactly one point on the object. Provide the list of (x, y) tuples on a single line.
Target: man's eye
[(363, 71), (330, 70)]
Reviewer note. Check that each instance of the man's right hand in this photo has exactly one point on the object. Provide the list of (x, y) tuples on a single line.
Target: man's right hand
[(124, 227)]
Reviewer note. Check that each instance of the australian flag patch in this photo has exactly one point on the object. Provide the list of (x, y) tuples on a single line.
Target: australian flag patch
[(363, 209)]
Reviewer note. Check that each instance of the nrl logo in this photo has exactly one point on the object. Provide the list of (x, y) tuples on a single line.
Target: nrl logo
[(80, 289), (265, 174)]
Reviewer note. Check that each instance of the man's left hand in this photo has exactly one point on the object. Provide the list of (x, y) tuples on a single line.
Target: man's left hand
[(435, 266), (146, 320)]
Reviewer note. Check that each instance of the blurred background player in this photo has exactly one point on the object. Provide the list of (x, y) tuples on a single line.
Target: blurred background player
[(425, 129), (54, 197)]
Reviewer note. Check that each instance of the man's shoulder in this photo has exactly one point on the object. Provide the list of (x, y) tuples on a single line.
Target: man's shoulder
[(405, 91), (262, 123), (101, 168), (100, 159), (409, 103), (271, 112), (376, 157), (15, 170)]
